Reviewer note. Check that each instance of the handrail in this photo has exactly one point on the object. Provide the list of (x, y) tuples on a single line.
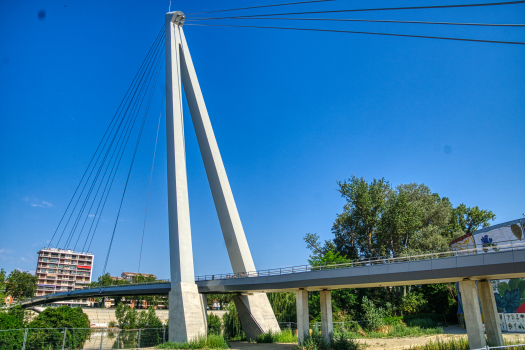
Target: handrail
[(512, 245), (367, 262)]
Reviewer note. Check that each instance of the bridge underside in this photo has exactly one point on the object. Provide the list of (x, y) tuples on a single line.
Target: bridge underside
[(490, 266)]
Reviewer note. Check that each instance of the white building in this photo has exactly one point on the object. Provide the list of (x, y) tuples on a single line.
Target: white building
[(61, 270)]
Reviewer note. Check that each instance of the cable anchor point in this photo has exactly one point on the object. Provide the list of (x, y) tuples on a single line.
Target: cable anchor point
[(178, 18)]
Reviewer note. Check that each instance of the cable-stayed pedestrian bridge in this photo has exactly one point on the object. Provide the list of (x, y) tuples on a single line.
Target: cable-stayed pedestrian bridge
[(502, 262)]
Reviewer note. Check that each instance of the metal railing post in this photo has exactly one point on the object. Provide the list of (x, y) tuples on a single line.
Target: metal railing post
[(163, 335), (118, 339), (101, 338), (64, 339), (139, 339), (25, 339)]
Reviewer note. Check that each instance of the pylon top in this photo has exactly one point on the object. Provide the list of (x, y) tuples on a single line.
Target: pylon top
[(178, 18)]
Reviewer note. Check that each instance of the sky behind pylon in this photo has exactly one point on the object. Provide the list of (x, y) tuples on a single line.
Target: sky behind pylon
[(292, 111)]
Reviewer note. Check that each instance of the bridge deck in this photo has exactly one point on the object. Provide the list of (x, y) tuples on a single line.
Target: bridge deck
[(490, 266)]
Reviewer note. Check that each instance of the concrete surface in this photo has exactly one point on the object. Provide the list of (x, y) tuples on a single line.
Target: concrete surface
[(472, 313), (490, 313)]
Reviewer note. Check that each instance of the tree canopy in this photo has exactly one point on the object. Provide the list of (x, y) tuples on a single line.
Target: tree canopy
[(381, 220), (20, 285)]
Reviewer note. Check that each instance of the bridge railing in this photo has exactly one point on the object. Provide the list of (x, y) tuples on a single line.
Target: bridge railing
[(501, 246)]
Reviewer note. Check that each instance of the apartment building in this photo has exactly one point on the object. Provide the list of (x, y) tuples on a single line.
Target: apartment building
[(60, 270)]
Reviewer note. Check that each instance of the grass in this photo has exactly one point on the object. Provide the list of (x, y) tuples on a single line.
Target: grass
[(394, 331), (458, 344), (212, 341), (285, 336)]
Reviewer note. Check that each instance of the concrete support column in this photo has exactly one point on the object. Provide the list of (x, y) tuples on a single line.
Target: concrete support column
[(490, 313), (303, 318), (186, 318), (327, 326), (469, 297)]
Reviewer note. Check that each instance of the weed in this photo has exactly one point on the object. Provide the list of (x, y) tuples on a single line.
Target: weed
[(285, 336), (213, 341)]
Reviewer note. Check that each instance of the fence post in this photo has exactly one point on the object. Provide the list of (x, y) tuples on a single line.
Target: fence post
[(163, 335), (101, 338), (25, 339), (139, 339), (118, 339), (343, 326), (64, 339)]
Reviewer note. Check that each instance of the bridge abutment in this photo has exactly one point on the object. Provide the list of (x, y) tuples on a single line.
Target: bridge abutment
[(303, 317), (327, 326), (490, 313), (472, 313)]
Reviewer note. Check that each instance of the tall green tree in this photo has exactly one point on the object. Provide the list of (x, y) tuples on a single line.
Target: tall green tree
[(20, 285), (365, 203), (469, 219), (2, 286)]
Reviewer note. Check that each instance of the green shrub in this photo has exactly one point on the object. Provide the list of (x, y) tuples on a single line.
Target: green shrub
[(314, 342), (285, 336), (422, 323), (392, 320), (214, 324), (232, 324), (59, 318), (373, 316), (439, 319), (344, 343)]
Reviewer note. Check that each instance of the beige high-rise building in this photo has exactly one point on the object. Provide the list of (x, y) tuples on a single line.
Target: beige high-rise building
[(60, 270)]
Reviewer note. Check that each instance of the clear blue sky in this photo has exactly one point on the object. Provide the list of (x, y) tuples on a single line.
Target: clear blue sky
[(292, 112)]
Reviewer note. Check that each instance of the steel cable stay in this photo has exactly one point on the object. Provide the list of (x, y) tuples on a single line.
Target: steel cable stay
[(366, 20), (362, 32), (104, 201), (150, 178), (98, 147), (384, 9), (101, 164), (110, 181), (100, 168), (132, 162), (261, 6), (125, 130), (118, 115)]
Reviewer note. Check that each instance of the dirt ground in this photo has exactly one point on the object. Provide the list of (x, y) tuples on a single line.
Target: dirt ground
[(381, 343)]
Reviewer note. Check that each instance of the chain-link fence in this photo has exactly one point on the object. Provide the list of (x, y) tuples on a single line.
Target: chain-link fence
[(81, 338)]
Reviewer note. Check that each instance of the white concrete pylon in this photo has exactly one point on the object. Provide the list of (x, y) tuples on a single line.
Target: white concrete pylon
[(179, 67), (186, 313)]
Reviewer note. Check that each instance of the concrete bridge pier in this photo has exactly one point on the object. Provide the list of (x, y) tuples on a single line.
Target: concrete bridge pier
[(490, 313), (303, 317), (471, 311), (327, 325)]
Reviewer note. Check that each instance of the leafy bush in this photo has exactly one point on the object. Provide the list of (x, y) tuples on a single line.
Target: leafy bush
[(392, 320), (344, 343), (232, 324), (438, 319), (214, 324), (59, 318), (373, 316), (285, 336), (422, 323), (412, 302), (212, 341), (314, 342)]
